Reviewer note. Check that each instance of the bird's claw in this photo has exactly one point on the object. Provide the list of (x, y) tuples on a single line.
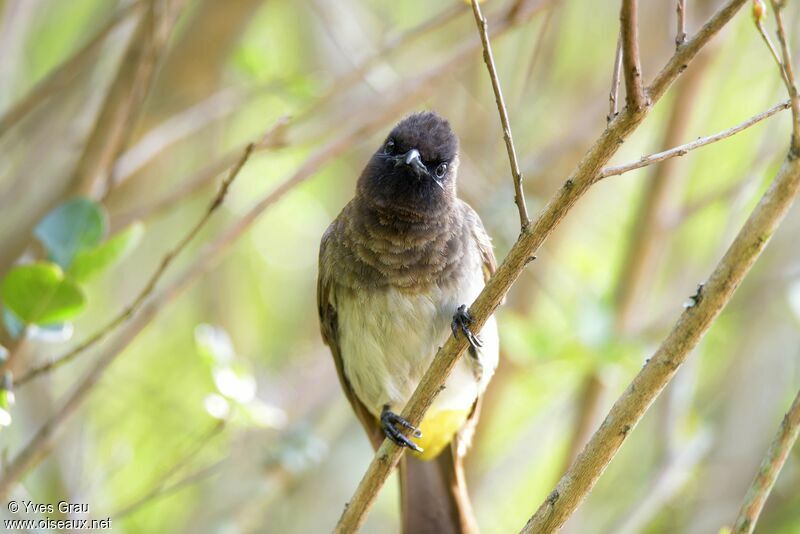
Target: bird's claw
[(389, 423), (461, 322)]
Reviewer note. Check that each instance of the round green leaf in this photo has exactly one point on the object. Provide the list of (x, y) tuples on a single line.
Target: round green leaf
[(91, 262), (73, 226), (39, 294)]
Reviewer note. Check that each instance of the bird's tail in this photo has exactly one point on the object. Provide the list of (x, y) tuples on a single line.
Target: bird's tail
[(434, 496)]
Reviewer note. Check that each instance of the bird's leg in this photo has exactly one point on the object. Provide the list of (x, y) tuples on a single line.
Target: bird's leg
[(389, 423), (461, 322)]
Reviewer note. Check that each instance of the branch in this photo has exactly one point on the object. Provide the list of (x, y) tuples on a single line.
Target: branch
[(770, 468), (61, 75), (680, 34), (528, 243), (148, 289), (612, 96), (629, 34), (516, 175), (684, 149), (693, 323)]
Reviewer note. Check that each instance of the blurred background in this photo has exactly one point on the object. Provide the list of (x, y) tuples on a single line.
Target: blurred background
[(225, 414)]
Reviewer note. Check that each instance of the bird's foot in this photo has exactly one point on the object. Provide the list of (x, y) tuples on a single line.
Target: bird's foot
[(389, 423), (461, 322)]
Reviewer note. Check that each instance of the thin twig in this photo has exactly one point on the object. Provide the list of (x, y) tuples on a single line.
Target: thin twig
[(152, 282), (629, 33), (680, 34), (516, 175), (61, 75), (684, 149), (528, 243), (772, 50), (770, 468), (788, 75), (615, 77)]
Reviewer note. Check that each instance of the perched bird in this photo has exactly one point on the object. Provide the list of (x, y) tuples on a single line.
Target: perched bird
[(396, 268)]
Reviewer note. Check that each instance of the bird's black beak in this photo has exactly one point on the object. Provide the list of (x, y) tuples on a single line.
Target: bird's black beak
[(413, 160)]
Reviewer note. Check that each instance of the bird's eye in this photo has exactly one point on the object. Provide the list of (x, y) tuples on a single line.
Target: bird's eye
[(441, 170), (389, 146)]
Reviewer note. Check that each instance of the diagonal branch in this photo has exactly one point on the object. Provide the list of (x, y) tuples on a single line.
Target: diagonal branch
[(769, 470), (516, 174), (684, 149), (629, 34), (528, 243)]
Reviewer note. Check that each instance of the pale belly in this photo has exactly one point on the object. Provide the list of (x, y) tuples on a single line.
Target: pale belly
[(389, 337)]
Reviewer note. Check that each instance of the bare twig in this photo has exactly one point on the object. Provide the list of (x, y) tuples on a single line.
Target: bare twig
[(629, 34), (615, 76), (527, 244), (61, 75), (770, 468), (150, 286), (788, 75), (684, 149), (760, 26), (680, 34), (516, 175)]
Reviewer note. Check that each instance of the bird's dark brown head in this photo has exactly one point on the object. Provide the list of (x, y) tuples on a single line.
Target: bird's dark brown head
[(415, 167)]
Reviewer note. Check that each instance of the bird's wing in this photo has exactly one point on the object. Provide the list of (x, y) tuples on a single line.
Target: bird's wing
[(483, 241), (329, 325)]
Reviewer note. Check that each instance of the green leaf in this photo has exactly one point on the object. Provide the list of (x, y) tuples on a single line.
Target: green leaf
[(91, 262), (39, 293), (73, 226)]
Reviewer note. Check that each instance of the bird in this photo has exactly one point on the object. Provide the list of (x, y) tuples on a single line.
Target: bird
[(397, 268)]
